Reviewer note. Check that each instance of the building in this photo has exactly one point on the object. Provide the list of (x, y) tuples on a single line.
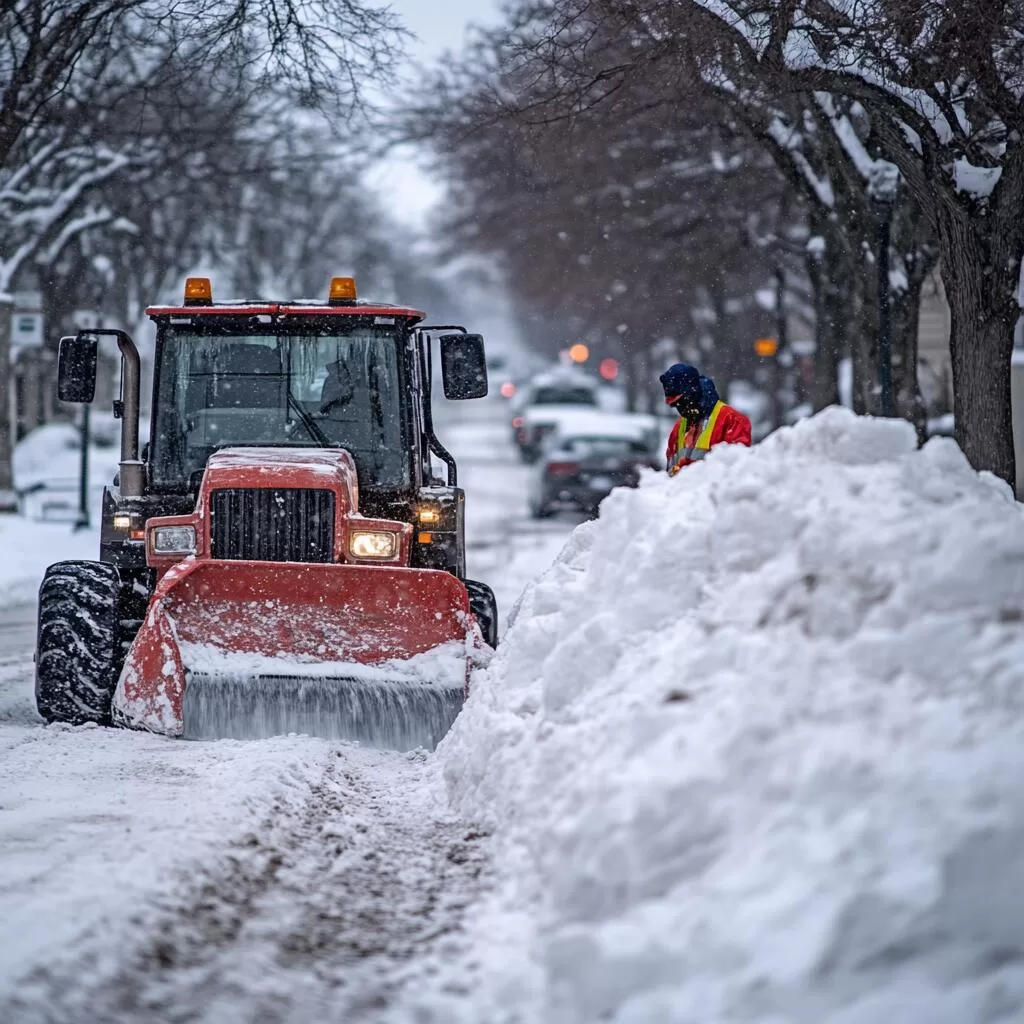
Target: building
[(933, 329)]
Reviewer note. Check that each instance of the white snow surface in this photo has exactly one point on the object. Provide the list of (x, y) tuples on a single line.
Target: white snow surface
[(445, 664), (27, 548), (752, 748), (109, 819)]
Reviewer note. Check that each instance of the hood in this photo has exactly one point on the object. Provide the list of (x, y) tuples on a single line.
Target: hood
[(314, 468), (708, 395)]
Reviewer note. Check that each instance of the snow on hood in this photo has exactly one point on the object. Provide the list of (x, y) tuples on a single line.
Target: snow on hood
[(326, 461), (753, 746)]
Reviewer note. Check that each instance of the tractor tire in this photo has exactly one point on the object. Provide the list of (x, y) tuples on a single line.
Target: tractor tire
[(485, 610), (78, 646)]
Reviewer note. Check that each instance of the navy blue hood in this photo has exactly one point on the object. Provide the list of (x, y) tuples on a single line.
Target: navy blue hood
[(708, 395)]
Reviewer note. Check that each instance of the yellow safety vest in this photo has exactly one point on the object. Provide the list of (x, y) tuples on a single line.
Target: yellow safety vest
[(703, 445)]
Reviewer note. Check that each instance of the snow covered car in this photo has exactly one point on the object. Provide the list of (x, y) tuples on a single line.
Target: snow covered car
[(544, 405), (579, 468)]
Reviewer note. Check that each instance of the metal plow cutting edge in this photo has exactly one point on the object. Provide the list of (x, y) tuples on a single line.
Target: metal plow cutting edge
[(256, 649)]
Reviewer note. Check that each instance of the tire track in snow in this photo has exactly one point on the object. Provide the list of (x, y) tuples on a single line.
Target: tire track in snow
[(347, 908)]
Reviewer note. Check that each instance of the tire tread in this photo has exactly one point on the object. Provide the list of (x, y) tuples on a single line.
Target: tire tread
[(78, 644)]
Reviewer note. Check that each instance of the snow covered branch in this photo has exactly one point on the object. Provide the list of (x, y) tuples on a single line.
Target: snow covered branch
[(42, 202)]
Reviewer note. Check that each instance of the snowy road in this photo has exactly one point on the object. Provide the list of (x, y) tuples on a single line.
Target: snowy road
[(143, 879)]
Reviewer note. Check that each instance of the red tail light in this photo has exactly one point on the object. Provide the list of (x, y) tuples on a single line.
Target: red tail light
[(562, 468), (517, 421)]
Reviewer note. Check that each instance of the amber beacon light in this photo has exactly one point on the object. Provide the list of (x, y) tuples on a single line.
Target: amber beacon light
[(198, 291), (343, 291)]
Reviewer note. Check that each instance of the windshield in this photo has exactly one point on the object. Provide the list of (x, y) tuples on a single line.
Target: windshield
[(564, 396), (310, 390)]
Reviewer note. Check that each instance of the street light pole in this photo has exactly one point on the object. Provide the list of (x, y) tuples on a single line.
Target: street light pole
[(884, 189), (885, 312)]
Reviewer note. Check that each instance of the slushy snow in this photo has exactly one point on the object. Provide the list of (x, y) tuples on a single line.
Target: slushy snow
[(752, 748)]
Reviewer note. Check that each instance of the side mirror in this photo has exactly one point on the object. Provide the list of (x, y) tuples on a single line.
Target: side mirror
[(463, 366), (76, 368)]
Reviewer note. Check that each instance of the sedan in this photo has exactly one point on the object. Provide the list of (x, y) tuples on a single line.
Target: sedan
[(577, 473)]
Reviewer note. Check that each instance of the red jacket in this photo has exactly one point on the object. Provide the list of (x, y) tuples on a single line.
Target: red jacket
[(728, 426)]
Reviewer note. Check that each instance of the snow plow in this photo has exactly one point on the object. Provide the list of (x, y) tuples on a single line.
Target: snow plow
[(282, 559)]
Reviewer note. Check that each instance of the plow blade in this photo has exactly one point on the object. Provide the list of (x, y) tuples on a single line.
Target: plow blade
[(391, 714), (255, 649)]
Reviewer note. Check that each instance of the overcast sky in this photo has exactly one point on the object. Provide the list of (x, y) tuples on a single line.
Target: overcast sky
[(438, 25), (441, 24)]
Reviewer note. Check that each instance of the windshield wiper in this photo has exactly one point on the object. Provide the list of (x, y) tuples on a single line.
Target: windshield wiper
[(308, 422)]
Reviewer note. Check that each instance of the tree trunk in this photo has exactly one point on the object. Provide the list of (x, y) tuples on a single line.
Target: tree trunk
[(914, 248), (906, 310), (864, 342), (8, 500), (981, 344), (832, 314), (980, 272), (829, 346)]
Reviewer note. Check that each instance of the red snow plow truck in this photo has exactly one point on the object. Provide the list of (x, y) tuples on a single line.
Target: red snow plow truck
[(282, 555)]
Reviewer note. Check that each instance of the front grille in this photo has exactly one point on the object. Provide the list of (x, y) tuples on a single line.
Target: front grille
[(272, 524)]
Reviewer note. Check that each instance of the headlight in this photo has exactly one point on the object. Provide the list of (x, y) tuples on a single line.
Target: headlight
[(173, 540), (375, 544), (428, 515)]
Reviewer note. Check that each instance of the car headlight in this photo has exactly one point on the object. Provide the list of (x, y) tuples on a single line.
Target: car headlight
[(173, 540), (373, 544)]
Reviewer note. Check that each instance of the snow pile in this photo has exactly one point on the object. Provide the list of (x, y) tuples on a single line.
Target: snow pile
[(754, 744)]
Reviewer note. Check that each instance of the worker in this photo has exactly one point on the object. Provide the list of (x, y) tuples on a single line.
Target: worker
[(704, 419)]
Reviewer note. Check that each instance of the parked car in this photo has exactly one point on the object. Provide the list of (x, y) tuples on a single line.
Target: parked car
[(578, 469), (543, 404)]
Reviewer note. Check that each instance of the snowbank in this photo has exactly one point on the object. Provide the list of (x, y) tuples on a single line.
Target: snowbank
[(51, 455), (48, 459), (753, 746), (27, 548)]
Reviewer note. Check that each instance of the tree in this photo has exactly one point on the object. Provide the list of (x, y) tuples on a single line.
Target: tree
[(941, 83), (93, 98), (625, 216), (823, 148), (319, 53)]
